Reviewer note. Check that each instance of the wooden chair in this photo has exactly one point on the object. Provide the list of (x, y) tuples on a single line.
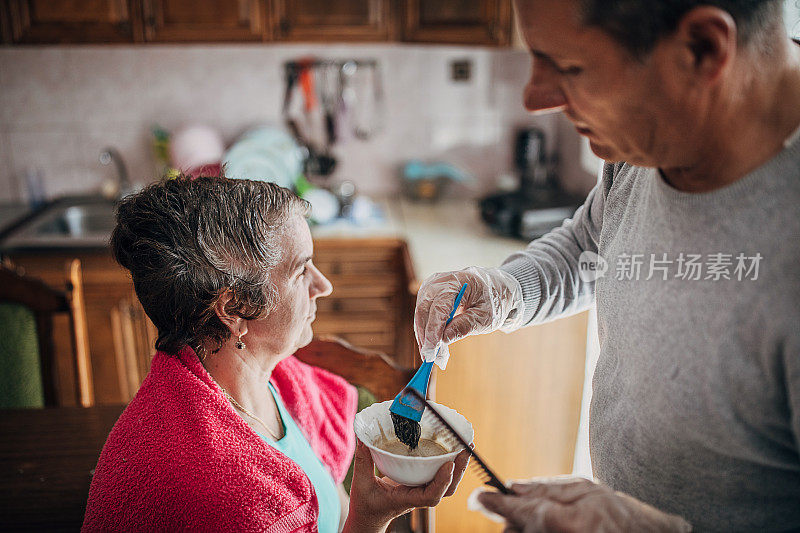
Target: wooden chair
[(375, 372), (134, 345), (45, 302)]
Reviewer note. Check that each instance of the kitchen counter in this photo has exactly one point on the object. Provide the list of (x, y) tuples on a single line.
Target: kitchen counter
[(9, 212), (448, 235)]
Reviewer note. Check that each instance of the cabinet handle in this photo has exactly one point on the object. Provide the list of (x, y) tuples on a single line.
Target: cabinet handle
[(283, 26)]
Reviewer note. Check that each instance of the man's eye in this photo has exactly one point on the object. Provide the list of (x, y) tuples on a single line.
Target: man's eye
[(569, 71)]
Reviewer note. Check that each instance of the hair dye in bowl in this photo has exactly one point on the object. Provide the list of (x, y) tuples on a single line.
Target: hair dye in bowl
[(425, 448)]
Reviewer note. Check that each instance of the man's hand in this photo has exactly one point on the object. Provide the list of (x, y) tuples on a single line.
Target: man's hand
[(574, 505), (493, 300), (374, 501)]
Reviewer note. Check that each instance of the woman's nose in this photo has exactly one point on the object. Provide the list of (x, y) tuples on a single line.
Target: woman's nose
[(320, 287), (543, 92)]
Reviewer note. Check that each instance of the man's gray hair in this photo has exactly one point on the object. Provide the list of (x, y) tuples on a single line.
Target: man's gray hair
[(639, 24)]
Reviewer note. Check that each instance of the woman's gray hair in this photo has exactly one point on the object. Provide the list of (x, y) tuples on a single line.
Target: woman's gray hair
[(187, 242)]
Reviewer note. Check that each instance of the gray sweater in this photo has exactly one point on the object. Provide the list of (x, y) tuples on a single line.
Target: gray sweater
[(696, 406)]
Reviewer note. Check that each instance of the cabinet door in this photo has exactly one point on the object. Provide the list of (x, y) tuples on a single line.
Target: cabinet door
[(322, 20), (371, 306), (73, 21), (205, 20), (486, 22)]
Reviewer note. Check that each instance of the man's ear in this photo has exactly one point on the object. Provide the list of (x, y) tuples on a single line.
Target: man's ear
[(708, 36), (236, 324)]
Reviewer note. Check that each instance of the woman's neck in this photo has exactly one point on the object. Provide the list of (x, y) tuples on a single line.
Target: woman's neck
[(245, 377)]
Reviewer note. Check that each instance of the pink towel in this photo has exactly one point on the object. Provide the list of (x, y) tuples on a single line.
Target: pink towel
[(180, 458)]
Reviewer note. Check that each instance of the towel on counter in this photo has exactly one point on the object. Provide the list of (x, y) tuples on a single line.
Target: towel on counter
[(180, 458)]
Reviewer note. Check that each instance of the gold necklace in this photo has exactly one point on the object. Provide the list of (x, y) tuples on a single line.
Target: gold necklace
[(248, 413)]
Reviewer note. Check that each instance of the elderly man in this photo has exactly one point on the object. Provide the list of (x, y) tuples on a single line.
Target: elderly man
[(690, 246)]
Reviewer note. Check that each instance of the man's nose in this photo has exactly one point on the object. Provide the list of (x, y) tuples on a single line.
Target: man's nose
[(543, 92), (320, 287)]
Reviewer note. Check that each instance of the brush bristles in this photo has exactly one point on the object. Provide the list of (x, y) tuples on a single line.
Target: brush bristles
[(406, 430)]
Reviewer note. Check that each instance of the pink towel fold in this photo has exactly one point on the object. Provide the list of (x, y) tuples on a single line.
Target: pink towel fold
[(180, 458)]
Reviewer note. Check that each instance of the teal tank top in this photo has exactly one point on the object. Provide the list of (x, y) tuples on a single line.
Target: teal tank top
[(295, 446)]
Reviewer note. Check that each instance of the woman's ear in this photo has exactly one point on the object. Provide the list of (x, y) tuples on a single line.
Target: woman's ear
[(236, 324)]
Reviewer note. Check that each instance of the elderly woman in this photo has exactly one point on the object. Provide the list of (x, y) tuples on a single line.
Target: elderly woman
[(229, 432)]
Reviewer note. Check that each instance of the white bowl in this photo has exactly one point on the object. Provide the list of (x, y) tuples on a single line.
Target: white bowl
[(374, 421)]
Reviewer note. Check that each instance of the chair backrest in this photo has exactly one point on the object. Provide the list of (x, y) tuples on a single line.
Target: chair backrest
[(374, 371), (45, 302), (134, 345)]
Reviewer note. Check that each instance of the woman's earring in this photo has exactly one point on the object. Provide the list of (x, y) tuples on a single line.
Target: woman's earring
[(239, 344)]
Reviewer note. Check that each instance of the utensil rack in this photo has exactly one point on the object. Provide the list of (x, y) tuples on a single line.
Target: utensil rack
[(293, 68), (349, 91)]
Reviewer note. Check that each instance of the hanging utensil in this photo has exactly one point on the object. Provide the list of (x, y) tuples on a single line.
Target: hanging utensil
[(369, 111), (304, 117), (347, 101), (329, 96)]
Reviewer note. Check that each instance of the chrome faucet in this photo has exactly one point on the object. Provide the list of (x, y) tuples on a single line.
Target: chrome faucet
[(111, 155)]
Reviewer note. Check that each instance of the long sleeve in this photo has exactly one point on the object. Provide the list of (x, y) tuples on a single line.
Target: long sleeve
[(791, 361), (548, 267)]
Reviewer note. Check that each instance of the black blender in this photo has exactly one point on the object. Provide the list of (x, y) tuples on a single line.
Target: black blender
[(540, 204)]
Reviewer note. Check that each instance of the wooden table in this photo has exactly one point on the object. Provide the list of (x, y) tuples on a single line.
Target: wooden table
[(47, 458)]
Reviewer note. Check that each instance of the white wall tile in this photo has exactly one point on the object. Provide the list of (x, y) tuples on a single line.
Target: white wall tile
[(10, 189), (59, 106), (36, 85), (52, 150), (447, 97), (106, 82), (133, 141)]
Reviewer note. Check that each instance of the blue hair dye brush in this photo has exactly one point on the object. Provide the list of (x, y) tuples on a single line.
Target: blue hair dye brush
[(407, 409)]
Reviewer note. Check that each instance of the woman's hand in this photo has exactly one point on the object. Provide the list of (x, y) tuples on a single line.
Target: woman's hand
[(374, 501)]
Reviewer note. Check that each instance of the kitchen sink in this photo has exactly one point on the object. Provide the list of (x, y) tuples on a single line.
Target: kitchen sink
[(77, 222)]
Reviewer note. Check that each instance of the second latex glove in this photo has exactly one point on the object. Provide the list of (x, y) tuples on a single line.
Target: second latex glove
[(492, 301), (575, 505)]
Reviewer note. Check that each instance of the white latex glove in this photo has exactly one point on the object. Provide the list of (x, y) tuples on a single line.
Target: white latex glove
[(576, 504), (493, 300)]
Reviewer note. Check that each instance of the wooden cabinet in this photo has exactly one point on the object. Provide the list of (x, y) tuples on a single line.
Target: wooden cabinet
[(205, 20), (371, 307), (486, 22), (321, 20), (72, 21)]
